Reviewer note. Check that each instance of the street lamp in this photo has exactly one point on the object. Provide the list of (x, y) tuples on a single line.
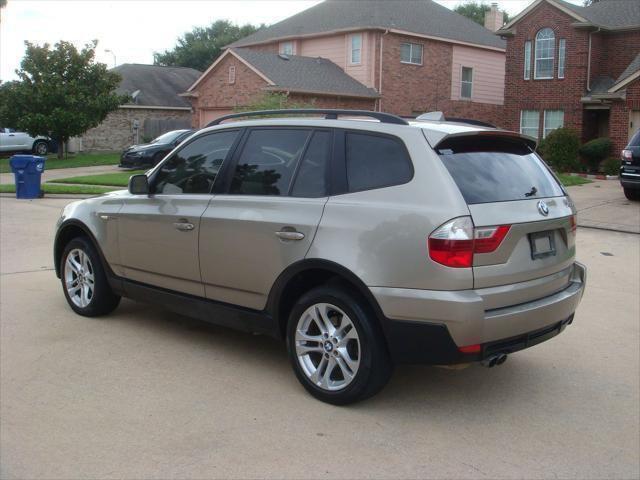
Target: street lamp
[(114, 56)]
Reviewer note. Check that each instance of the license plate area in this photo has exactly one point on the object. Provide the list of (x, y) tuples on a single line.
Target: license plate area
[(543, 244)]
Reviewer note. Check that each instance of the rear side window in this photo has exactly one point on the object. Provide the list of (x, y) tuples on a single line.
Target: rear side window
[(489, 169), (375, 161), (268, 161)]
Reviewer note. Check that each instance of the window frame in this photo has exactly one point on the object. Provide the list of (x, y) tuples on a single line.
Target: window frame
[(562, 57), (527, 60), (462, 82), (352, 50), (282, 45), (553, 54), (544, 121), (411, 45), (232, 74), (537, 126), (225, 162)]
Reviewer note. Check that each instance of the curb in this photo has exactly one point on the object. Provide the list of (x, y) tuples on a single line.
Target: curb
[(595, 177)]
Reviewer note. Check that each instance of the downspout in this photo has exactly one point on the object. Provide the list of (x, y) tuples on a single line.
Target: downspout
[(386, 32), (589, 61)]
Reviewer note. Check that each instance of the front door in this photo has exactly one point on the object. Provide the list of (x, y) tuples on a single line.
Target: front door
[(267, 217), (158, 233)]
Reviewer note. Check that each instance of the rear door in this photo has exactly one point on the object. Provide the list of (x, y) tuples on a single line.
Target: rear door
[(267, 215), (506, 184)]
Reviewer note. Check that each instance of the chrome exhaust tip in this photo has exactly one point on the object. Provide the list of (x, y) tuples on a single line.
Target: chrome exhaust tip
[(494, 360)]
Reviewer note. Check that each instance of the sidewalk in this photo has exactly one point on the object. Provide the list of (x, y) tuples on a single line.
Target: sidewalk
[(66, 172)]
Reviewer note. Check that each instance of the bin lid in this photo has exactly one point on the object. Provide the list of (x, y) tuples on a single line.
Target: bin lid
[(21, 161)]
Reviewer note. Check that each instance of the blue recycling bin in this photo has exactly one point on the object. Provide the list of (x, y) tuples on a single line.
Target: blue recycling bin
[(27, 170)]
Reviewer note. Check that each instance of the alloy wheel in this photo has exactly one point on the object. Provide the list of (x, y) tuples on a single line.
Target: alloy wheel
[(79, 278)]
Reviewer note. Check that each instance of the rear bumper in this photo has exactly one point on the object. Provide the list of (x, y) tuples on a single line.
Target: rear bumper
[(628, 181), (428, 326)]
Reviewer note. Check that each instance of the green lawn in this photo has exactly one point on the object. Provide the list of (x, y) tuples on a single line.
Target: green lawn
[(120, 179), (570, 180), (73, 189), (80, 160)]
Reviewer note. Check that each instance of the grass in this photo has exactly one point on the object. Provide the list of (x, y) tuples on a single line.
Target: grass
[(570, 180), (68, 189), (81, 160), (120, 179)]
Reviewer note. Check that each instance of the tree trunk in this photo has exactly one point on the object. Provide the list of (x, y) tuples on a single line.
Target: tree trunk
[(60, 149)]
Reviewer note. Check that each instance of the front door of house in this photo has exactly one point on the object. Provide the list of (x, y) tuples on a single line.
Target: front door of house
[(634, 122)]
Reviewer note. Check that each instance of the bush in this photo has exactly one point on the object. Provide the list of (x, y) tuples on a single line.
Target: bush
[(560, 150), (611, 166), (595, 151)]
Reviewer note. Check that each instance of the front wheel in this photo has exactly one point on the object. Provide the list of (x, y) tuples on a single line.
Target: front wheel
[(632, 194), (40, 148), (335, 346), (84, 280)]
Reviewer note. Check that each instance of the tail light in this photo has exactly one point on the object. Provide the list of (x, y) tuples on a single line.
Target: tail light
[(574, 224), (627, 155), (454, 243)]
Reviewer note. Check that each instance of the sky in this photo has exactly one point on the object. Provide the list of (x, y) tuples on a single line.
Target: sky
[(134, 29)]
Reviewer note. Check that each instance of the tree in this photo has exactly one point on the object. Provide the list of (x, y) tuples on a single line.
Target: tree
[(200, 47), (61, 92), (476, 11)]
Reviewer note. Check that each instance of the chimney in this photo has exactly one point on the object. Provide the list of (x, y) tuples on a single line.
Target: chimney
[(493, 18)]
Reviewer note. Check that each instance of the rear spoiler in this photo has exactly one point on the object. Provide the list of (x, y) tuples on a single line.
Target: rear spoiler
[(437, 138)]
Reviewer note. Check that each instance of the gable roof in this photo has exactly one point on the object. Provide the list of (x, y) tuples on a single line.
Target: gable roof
[(156, 86), (630, 73), (605, 14), (421, 17)]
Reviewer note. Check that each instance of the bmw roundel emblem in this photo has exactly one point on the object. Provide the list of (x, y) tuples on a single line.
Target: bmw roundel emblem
[(543, 208)]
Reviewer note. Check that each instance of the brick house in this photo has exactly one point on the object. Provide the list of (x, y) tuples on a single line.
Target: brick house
[(574, 66), (155, 108), (405, 57)]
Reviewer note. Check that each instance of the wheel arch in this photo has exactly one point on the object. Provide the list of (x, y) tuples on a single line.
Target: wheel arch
[(306, 274), (69, 230)]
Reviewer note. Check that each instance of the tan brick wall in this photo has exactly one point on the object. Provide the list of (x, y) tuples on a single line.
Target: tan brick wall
[(116, 131)]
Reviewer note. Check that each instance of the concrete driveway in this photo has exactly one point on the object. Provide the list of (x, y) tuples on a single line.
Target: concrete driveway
[(144, 393)]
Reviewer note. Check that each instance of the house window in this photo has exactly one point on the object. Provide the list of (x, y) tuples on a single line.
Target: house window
[(527, 60), (545, 47), (561, 57), (529, 122), (286, 48), (411, 53), (466, 82), (552, 119), (356, 48), (232, 74)]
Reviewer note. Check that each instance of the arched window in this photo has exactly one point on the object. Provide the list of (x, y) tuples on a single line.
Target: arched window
[(545, 48)]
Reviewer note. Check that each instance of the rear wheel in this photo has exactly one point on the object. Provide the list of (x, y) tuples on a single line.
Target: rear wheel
[(40, 147), (632, 193), (84, 281), (336, 347)]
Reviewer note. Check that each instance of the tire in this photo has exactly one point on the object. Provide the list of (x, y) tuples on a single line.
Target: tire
[(99, 299), (364, 358), (632, 194), (40, 147)]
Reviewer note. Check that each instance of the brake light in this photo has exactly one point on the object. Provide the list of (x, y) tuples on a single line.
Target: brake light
[(627, 155), (454, 243)]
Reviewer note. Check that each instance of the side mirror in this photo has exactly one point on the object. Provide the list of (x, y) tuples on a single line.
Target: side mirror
[(139, 185)]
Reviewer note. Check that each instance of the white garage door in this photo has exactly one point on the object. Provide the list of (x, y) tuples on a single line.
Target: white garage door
[(209, 115)]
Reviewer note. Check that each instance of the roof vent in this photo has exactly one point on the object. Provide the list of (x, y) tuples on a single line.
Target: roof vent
[(283, 56), (433, 116)]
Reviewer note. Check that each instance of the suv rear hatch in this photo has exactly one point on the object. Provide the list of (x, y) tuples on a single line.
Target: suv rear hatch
[(631, 159), (505, 184)]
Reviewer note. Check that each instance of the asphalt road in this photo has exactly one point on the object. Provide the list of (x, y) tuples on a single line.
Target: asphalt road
[(148, 394)]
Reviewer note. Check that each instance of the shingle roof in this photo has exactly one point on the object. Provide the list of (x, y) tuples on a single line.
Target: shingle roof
[(158, 86), (305, 74), (633, 67), (609, 13), (423, 17)]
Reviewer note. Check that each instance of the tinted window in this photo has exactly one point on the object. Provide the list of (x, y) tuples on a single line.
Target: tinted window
[(635, 140), (193, 169), (375, 161), (168, 137), (268, 161), (495, 170), (311, 177)]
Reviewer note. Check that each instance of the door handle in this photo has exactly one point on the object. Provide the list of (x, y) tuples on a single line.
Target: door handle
[(184, 225), (290, 235)]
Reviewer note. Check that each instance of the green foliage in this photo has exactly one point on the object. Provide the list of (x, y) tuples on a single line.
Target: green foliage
[(572, 180), (595, 151), (560, 150), (475, 11), (61, 92), (73, 161), (118, 179), (611, 166), (200, 47), (274, 101)]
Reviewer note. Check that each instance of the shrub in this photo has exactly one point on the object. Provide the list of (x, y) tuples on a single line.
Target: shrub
[(611, 166), (595, 151), (560, 150)]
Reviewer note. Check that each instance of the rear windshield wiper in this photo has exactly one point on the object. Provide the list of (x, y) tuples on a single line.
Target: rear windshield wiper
[(532, 192)]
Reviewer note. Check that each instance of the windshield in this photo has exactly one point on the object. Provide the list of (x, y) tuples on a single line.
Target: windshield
[(168, 137), (497, 170)]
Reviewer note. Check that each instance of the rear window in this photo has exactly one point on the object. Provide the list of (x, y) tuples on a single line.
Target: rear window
[(490, 169), (635, 140)]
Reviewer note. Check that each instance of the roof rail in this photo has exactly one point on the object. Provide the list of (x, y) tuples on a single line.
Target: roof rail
[(440, 117), (330, 114)]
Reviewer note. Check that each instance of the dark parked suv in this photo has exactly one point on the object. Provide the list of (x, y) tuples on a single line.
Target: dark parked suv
[(630, 168)]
